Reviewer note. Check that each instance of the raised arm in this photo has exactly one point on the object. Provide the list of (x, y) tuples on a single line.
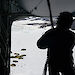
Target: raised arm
[(42, 43)]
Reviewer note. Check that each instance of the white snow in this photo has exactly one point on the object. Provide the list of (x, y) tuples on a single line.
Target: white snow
[(26, 36)]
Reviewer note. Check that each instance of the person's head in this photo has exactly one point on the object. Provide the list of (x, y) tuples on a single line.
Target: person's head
[(65, 20)]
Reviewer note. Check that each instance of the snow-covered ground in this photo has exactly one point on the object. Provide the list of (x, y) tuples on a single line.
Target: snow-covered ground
[(24, 35)]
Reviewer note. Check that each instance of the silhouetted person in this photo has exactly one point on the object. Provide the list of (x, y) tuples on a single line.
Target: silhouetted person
[(60, 42)]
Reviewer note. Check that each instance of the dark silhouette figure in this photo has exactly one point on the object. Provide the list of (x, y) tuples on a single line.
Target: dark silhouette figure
[(60, 42)]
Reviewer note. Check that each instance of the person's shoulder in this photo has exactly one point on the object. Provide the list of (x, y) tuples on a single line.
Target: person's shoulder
[(72, 34), (50, 31)]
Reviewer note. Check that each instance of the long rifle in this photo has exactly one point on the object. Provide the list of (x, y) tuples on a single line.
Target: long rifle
[(46, 64), (50, 13)]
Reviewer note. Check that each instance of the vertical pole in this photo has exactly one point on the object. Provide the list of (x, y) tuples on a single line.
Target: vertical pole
[(49, 6), (46, 64)]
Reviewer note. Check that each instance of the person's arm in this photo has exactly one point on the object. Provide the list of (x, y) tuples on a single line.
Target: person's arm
[(42, 43)]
